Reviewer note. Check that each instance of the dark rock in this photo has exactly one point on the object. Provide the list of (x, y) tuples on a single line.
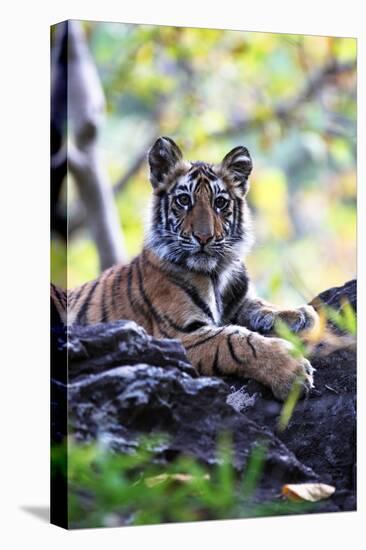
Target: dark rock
[(322, 429), (129, 401), (123, 384), (335, 296), (106, 345), (58, 380)]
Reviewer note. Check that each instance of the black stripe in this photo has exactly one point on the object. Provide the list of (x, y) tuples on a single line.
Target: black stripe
[(105, 313), (159, 317), (203, 183), (159, 320), (75, 297), (166, 211), (193, 175), (116, 287), (194, 325), (235, 217), (64, 297), (232, 351), (192, 292), (176, 225), (129, 287), (182, 187), (176, 210), (251, 345), (200, 167), (235, 292), (218, 298), (130, 296), (80, 318), (210, 170), (158, 218), (200, 342), (188, 288), (215, 365), (148, 304), (60, 295), (173, 187), (210, 175), (238, 228)]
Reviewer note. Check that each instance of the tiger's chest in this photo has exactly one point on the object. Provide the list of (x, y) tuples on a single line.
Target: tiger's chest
[(215, 303), (210, 293)]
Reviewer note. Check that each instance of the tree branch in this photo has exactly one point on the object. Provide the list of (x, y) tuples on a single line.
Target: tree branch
[(78, 219), (285, 110)]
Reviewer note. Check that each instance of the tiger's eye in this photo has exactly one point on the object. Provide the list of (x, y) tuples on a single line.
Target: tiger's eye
[(221, 202), (183, 199)]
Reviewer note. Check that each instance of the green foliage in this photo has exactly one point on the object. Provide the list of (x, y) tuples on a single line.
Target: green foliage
[(299, 349), (199, 86), (254, 469), (283, 331), (345, 319), (289, 405), (108, 488)]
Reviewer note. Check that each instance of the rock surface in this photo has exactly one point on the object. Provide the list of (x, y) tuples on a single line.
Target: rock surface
[(95, 348), (124, 383), (322, 430)]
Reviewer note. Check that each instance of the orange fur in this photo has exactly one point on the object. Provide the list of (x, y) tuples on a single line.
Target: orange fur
[(172, 300)]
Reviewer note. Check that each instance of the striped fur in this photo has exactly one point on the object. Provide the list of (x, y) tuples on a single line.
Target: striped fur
[(189, 282)]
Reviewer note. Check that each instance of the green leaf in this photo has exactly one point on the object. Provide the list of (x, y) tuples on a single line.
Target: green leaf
[(290, 404)]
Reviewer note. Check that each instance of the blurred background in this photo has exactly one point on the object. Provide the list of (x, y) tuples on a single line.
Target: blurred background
[(290, 99)]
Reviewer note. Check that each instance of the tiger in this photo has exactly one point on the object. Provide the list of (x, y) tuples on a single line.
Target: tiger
[(190, 281)]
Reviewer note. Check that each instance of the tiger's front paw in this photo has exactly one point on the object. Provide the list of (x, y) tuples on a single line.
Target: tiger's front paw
[(287, 370), (300, 319)]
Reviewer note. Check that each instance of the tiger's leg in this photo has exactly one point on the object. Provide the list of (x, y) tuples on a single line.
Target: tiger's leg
[(242, 307), (236, 350), (261, 316)]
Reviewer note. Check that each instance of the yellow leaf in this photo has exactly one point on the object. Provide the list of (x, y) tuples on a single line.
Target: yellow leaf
[(311, 492)]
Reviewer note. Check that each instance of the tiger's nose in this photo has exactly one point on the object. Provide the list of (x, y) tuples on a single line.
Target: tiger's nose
[(203, 238)]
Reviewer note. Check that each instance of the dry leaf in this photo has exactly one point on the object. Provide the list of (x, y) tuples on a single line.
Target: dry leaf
[(311, 492)]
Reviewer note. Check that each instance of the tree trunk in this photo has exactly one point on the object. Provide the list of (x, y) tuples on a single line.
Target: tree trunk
[(85, 114)]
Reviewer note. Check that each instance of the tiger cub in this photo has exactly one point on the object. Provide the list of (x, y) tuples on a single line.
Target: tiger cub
[(189, 281)]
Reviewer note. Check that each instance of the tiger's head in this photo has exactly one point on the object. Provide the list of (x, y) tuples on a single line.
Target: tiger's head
[(200, 217)]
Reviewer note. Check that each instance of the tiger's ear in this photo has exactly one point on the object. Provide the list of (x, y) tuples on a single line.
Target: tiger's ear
[(163, 156), (238, 164)]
